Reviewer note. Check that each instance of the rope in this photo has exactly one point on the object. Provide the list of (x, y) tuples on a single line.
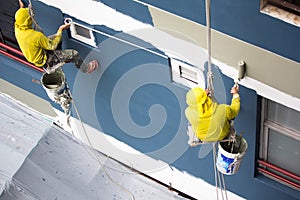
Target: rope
[(31, 13), (209, 74), (219, 177), (226, 197), (215, 169), (210, 86), (220, 183)]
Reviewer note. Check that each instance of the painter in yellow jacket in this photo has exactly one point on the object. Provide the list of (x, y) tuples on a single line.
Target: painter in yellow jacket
[(33, 43), (210, 121), (41, 50)]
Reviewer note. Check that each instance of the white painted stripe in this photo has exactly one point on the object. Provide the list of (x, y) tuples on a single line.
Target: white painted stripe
[(261, 88), (94, 12)]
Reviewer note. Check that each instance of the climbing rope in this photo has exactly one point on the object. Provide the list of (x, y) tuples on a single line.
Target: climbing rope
[(220, 182), (219, 177), (210, 86), (31, 13), (209, 78)]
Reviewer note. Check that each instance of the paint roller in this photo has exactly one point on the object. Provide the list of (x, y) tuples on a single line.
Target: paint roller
[(241, 68)]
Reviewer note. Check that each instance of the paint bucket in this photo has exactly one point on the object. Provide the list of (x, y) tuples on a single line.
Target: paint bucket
[(54, 84), (229, 159), (57, 89)]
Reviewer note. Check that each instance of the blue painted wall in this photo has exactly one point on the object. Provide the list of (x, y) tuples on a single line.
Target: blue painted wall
[(242, 20), (160, 100), (21, 76)]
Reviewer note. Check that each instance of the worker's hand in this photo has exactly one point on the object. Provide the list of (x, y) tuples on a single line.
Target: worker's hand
[(207, 92), (64, 26), (235, 89), (21, 4)]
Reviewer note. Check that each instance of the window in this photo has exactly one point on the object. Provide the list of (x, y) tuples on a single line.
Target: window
[(287, 10), (279, 151), (83, 34)]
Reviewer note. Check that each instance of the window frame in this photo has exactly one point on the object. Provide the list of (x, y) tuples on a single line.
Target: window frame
[(263, 166), (279, 9), (185, 74)]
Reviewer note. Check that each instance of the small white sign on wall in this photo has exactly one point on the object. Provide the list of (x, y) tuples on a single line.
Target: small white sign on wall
[(83, 34), (186, 74)]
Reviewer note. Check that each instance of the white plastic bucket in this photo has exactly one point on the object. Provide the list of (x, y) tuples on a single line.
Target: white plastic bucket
[(229, 163)]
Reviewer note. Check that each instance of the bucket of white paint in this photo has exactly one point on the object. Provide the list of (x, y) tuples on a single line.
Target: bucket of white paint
[(54, 84), (229, 159)]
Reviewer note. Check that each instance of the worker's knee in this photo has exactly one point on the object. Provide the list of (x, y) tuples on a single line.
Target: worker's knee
[(70, 53)]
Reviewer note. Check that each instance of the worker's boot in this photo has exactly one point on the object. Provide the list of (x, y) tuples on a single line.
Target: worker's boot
[(90, 67), (93, 65)]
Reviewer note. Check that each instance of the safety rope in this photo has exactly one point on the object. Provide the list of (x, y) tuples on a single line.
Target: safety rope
[(210, 87), (31, 13), (215, 169), (219, 177)]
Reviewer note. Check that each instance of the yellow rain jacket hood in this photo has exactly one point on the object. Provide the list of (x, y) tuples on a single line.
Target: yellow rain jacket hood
[(33, 43), (23, 19), (209, 120)]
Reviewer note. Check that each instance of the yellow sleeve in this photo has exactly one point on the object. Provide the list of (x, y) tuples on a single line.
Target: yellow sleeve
[(192, 116), (233, 110), (50, 44)]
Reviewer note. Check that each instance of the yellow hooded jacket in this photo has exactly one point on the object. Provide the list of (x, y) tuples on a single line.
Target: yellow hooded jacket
[(209, 120), (33, 43)]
